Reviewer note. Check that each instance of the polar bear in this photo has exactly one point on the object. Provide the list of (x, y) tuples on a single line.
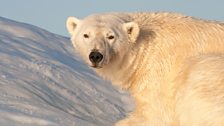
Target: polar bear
[(172, 65)]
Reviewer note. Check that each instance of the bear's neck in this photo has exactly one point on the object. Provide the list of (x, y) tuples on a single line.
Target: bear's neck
[(130, 69)]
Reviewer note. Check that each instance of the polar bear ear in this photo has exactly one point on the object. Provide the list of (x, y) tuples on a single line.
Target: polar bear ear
[(71, 24), (132, 30)]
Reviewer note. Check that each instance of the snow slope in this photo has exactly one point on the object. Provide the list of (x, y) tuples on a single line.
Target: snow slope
[(43, 83)]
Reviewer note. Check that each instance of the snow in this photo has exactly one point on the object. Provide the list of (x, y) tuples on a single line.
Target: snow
[(44, 83)]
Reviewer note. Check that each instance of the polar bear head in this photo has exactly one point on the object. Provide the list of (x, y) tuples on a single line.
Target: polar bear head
[(102, 38)]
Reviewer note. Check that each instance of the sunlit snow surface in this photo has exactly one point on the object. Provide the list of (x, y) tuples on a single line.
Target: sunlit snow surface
[(43, 83)]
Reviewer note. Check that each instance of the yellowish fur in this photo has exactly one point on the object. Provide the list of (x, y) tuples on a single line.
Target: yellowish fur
[(174, 71)]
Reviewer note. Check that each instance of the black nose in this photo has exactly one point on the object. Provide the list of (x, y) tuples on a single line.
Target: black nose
[(95, 57)]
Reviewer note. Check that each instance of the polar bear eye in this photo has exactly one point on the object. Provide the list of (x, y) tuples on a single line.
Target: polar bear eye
[(85, 36), (110, 37)]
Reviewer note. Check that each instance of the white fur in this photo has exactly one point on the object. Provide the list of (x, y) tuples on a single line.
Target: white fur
[(171, 64)]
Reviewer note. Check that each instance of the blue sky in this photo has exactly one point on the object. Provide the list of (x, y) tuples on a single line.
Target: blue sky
[(52, 14)]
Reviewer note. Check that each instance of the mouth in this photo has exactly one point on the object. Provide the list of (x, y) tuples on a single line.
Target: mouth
[(96, 66)]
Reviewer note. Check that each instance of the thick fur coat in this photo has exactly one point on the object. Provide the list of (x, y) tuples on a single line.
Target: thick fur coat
[(173, 65)]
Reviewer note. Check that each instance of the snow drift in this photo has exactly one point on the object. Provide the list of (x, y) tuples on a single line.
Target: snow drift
[(43, 83)]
